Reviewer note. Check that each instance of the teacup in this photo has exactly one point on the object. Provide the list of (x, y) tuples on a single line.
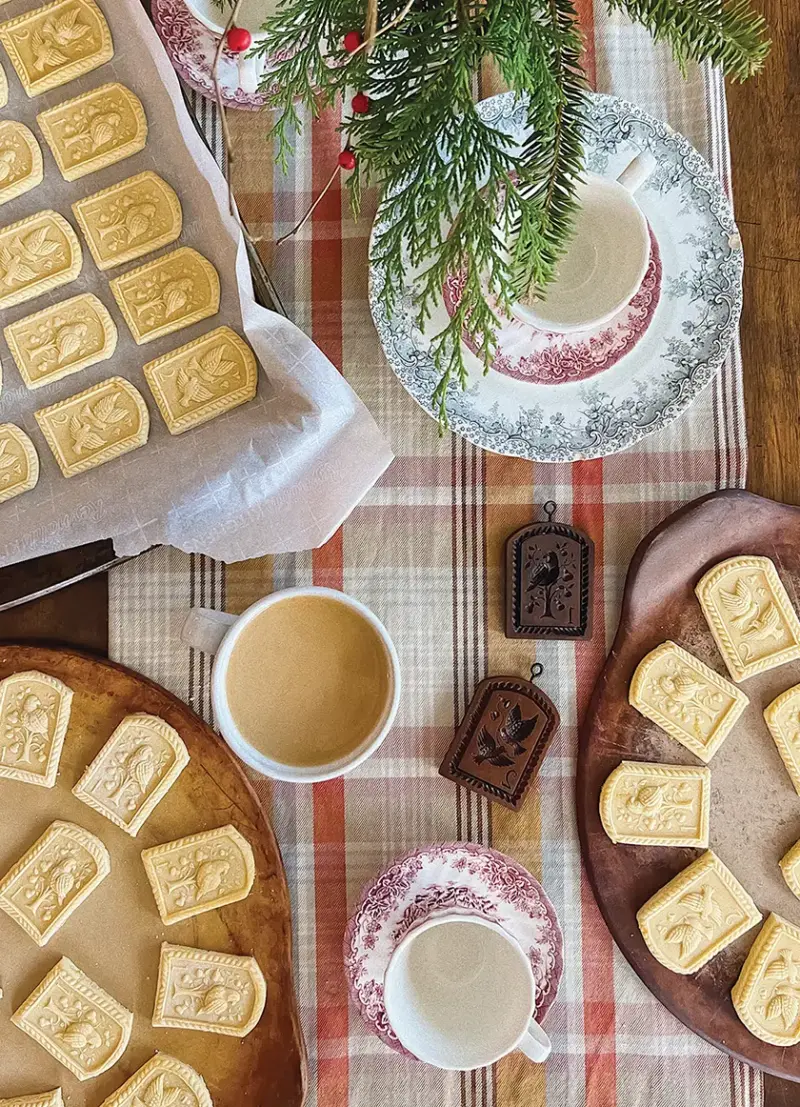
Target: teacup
[(460, 994), (251, 16)]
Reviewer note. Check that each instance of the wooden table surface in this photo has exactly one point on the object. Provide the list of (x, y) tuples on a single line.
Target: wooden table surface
[(764, 117)]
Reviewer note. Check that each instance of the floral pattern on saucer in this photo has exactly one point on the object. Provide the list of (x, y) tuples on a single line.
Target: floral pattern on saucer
[(460, 877)]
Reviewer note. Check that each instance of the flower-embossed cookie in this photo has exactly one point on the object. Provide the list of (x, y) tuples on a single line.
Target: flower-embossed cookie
[(200, 872), (53, 878), (129, 219), (163, 1081), (767, 994), (37, 254), (51, 45), (19, 462), (167, 294), (76, 1021), (94, 130), (750, 615), (61, 339), (693, 704), (133, 771), (200, 990), (34, 714), (95, 426), (20, 160), (203, 379), (697, 915), (42, 1099), (647, 804), (782, 717)]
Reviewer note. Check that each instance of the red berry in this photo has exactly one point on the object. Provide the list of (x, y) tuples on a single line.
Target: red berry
[(238, 40), (352, 41), (360, 103), (347, 159)]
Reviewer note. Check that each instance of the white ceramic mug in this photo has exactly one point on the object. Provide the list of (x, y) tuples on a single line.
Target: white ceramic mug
[(459, 994), (251, 16), (217, 632), (606, 260)]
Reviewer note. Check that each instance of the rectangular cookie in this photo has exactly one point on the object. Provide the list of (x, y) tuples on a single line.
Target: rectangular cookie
[(20, 160), (19, 462), (782, 717), (198, 989), (37, 254), (34, 716), (56, 43), (767, 994), (94, 130), (61, 339), (129, 219), (164, 295), (650, 804)]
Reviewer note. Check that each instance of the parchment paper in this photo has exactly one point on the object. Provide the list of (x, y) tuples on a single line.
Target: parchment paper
[(279, 473)]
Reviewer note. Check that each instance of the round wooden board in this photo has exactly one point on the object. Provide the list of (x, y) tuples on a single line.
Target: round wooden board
[(755, 812), (115, 936)]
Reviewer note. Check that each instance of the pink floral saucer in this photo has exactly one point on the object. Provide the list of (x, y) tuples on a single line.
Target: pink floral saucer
[(457, 876)]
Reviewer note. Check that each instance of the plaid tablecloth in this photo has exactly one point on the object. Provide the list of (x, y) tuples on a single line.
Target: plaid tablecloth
[(424, 552)]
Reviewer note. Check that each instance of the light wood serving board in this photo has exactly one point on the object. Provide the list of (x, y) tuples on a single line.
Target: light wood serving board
[(115, 936)]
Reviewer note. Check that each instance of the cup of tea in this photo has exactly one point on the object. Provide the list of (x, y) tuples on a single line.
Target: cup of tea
[(459, 993), (305, 683)]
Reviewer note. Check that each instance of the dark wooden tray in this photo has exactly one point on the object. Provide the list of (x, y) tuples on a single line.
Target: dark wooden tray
[(755, 813)]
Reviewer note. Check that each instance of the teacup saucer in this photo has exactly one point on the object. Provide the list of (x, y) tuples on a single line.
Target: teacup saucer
[(456, 876)]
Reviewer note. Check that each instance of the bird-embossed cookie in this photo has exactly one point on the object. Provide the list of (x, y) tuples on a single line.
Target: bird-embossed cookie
[(37, 254), (767, 994), (199, 873), (34, 715), (76, 1021), (51, 45), (167, 294), (61, 339), (647, 804), (203, 379), (697, 915), (163, 1081), (53, 878), (200, 990), (20, 160), (129, 219), (94, 130), (19, 462), (782, 717), (42, 1099), (95, 426), (693, 704), (133, 771), (750, 615)]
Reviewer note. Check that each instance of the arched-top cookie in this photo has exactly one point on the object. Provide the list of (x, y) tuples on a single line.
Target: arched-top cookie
[(41, 1099), (161, 1080), (129, 219), (20, 160), (199, 989), (19, 462), (34, 715), (61, 339), (56, 43), (767, 994), (37, 254), (162, 296), (650, 804), (94, 130)]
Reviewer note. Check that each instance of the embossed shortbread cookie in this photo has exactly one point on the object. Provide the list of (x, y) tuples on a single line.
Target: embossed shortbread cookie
[(693, 704), (96, 129), (95, 426), (167, 294), (62, 339), (129, 219), (767, 994), (51, 45), (19, 462), (790, 867), (648, 804), (43, 1099), (3, 88), (20, 160), (133, 771), (203, 379), (53, 879), (200, 872), (200, 990), (694, 917), (81, 1025), (34, 715), (163, 1081), (750, 615), (782, 717), (37, 254)]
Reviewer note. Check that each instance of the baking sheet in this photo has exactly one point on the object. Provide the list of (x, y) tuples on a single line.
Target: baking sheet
[(279, 473)]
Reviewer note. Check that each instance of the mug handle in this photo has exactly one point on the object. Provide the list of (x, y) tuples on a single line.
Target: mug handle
[(637, 171), (204, 629), (250, 72), (535, 1043)]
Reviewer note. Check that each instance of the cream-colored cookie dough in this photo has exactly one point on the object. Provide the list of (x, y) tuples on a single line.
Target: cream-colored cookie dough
[(94, 130), (53, 878), (782, 717), (163, 1081), (767, 994), (34, 715), (693, 704), (790, 867), (200, 872), (20, 160), (3, 88), (76, 1021), (648, 804), (37, 254), (19, 462), (42, 1099), (133, 771), (129, 219), (750, 615), (200, 990), (694, 917), (56, 43), (61, 339), (162, 296)]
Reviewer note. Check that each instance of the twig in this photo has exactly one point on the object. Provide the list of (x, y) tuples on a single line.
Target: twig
[(223, 120), (309, 211), (369, 39)]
